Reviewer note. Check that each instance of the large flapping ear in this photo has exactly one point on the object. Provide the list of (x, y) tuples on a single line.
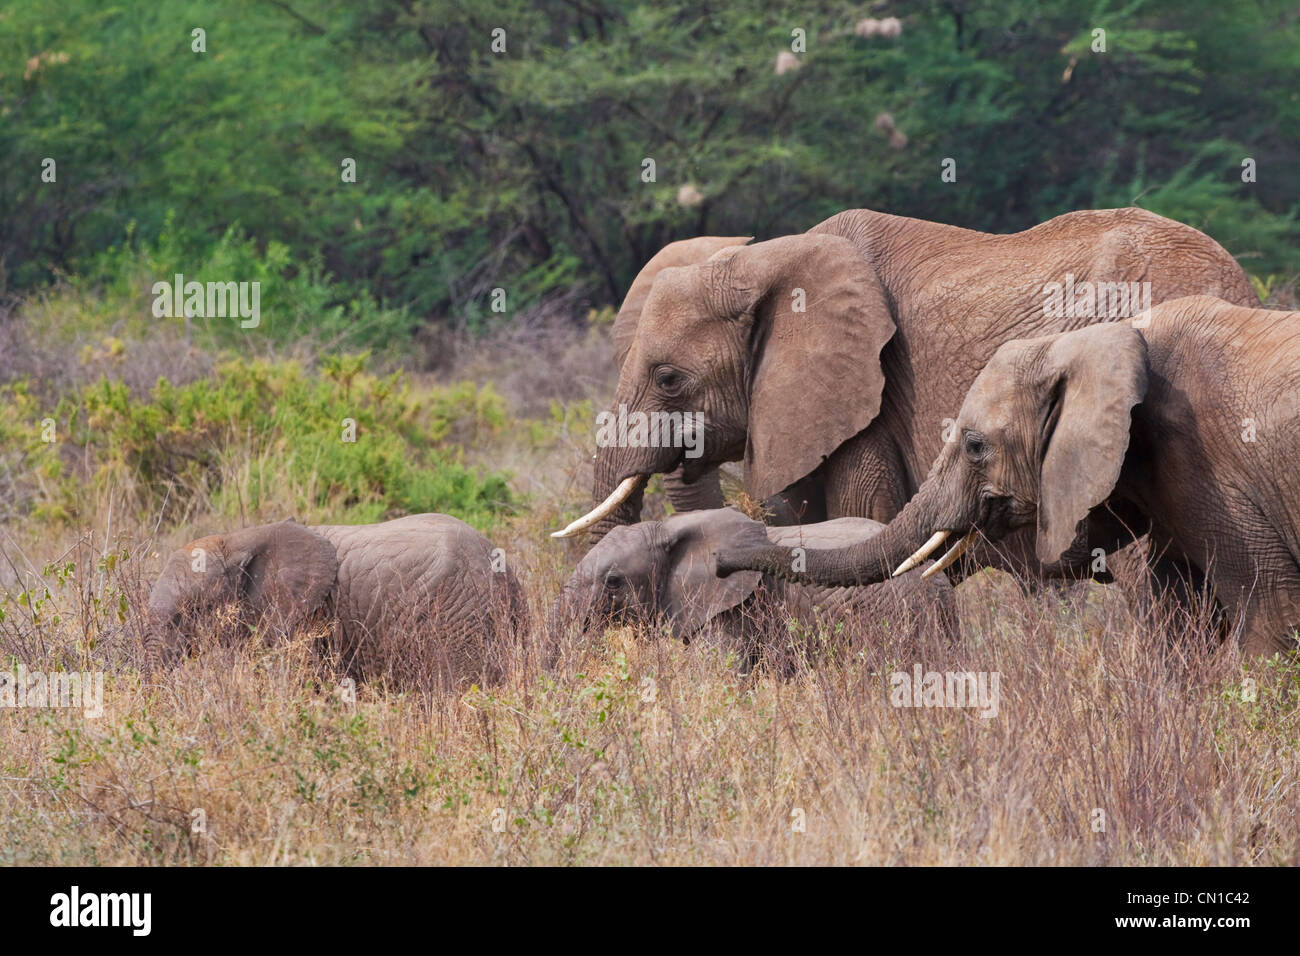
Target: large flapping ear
[(684, 252), (692, 593), (1094, 377), (820, 319), (288, 570)]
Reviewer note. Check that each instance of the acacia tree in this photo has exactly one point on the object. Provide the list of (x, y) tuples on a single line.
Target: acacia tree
[(508, 142)]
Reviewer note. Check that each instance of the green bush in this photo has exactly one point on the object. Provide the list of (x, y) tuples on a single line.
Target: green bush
[(339, 444), (298, 299)]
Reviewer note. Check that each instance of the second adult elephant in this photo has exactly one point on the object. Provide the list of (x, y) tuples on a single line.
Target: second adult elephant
[(833, 358), (428, 580), (663, 571), (1185, 427)]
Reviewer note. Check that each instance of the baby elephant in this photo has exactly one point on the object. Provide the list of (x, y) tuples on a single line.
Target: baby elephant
[(664, 570), (420, 593)]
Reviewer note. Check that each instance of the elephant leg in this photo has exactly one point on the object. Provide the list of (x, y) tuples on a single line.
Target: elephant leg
[(1176, 585), (740, 631), (700, 495), (866, 477), (1271, 621)]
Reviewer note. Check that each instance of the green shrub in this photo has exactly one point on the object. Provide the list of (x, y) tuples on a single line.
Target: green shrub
[(298, 298), (259, 436)]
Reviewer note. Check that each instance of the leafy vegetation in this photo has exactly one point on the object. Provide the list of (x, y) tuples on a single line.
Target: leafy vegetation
[(353, 445), (524, 169)]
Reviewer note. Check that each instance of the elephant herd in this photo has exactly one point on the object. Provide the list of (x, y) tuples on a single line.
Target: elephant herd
[(892, 386)]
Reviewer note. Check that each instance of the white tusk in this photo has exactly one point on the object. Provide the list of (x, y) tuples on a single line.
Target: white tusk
[(955, 552), (603, 510), (923, 552)]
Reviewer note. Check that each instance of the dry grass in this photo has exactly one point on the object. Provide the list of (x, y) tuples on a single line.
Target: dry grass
[(627, 748)]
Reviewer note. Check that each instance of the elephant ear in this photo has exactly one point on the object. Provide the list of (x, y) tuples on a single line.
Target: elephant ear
[(288, 571), (820, 319), (1094, 378), (684, 252), (692, 592)]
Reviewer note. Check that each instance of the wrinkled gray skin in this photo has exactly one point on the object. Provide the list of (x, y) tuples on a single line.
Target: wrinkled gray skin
[(841, 407), (663, 570), (421, 569), (1187, 429)]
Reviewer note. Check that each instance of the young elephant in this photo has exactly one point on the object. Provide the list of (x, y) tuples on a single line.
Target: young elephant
[(378, 582), (664, 570), (1184, 424)]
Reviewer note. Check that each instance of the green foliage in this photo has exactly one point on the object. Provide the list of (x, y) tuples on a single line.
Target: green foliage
[(296, 300), (522, 169), (344, 445)]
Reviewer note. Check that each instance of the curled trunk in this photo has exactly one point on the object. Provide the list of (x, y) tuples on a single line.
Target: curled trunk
[(703, 494)]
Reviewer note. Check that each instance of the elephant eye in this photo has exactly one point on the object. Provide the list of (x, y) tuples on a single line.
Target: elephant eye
[(614, 581), (976, 447), (669, 380)]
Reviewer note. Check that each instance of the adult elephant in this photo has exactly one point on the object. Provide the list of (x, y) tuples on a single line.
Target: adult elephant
[(829, 361), (378, 585), (663, 571), (1184, 424)]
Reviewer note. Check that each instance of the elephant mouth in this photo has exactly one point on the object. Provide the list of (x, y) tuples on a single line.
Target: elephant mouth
[(600, 616), (931, 546), (997, 516), (626, 489), (692, 468)]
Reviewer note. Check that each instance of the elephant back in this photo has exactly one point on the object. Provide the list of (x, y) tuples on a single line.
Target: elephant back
[(423, 592)]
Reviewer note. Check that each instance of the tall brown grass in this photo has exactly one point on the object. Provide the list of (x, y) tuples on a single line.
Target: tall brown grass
[(1115, 742)]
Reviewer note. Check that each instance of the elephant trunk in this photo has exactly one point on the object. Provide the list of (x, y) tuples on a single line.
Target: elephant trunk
[(867, 562), (563, 611), (702, 494), (161, 640), (622, 505)]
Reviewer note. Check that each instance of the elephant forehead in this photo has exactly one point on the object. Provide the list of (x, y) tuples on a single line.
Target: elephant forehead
[(673, 287), (624, 548), (994, 398), (676, 304), (198, 556), (210, 544)]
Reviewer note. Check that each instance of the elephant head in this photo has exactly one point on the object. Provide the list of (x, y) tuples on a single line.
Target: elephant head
[(776, 344), (684, 252), (279, 574), (661, 570), (705, 491), (1040, 440)]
